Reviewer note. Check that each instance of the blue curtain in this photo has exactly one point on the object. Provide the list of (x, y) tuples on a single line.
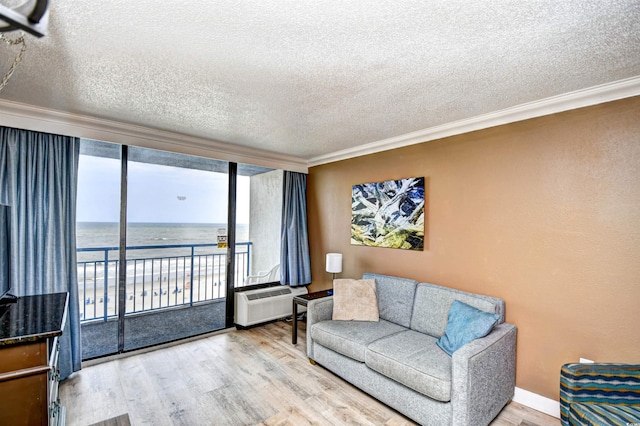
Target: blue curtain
[(295, 264), (38, 177)]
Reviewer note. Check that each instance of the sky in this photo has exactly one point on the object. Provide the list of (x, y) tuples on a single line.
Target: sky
[(159, 194)]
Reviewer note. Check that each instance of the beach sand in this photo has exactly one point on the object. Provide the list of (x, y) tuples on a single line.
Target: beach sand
[(172, 290)]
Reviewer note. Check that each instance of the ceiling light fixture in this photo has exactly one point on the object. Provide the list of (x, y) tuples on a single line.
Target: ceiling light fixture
[(31, 16), (16, 61)]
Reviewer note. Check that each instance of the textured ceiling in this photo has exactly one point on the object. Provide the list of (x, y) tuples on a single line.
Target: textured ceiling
[(308, 78)]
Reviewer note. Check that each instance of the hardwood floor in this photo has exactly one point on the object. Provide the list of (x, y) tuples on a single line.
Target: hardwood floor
[(244, 377)]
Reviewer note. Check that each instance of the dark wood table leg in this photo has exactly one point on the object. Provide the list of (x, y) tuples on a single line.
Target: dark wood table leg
[(294, 330)]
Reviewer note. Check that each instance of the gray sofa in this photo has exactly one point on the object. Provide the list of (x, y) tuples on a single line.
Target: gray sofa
[(396, 360)]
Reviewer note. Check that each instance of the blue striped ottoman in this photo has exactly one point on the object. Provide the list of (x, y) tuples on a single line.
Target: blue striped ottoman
[(600, 394)]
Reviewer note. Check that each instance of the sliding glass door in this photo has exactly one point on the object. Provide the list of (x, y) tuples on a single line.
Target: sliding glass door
[(97, 240), (176, 249), (163, 239)]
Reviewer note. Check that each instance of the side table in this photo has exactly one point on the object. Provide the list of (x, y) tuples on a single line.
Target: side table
[(303, 300)]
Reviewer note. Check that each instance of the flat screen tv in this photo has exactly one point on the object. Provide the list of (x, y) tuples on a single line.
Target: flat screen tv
[(5, 254)]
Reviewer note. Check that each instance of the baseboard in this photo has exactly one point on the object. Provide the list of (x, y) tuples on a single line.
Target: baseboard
[(537, 402)]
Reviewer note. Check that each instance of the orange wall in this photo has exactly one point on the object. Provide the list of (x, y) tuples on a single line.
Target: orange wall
[(543, 213)]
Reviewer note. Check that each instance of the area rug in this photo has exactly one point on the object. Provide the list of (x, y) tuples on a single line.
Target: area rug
[(122, 420)]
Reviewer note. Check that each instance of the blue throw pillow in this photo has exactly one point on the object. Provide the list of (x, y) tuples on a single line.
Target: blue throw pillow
[(465, 324)]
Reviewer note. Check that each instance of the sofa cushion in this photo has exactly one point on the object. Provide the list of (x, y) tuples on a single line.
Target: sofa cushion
[(603, 414), (413, 359), (465, 324), (351, 338), (432, 305), (355, 300), (395, 297)]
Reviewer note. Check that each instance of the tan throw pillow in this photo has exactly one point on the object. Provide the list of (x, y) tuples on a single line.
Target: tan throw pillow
[(355, 300)]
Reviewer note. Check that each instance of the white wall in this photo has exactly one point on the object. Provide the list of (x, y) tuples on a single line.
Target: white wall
[(265, 220)]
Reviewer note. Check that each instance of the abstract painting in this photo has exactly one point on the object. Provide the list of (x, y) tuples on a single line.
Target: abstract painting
[(389, 214)]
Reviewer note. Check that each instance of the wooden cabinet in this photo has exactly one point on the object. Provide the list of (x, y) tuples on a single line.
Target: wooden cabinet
[(29, 349)]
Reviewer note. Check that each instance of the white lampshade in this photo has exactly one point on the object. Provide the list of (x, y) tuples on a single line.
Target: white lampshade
[(334, 263)]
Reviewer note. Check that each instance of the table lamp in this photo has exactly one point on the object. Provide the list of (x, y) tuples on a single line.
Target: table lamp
[(334, 263)]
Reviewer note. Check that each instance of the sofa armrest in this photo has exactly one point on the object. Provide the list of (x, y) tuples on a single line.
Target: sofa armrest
[(598, 383), (484, 376), (317, 310)]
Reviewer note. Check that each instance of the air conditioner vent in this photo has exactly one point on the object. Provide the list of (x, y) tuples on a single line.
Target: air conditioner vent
[(270, 293)]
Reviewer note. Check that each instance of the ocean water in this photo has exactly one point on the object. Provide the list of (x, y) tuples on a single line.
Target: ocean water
[(106, 234)]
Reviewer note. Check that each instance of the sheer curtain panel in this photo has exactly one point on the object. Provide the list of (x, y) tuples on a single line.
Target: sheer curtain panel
[(38, 178)]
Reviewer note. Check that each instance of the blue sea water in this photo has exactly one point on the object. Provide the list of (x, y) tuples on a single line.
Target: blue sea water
[(106, 234)]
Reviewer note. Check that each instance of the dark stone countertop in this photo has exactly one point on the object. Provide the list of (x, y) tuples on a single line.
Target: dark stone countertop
[(33, 318)]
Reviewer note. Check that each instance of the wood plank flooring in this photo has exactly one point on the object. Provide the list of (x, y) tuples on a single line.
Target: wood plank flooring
[(248, 377), (122, 420)]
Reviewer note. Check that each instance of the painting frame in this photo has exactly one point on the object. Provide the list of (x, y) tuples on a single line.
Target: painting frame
[(389, 214)]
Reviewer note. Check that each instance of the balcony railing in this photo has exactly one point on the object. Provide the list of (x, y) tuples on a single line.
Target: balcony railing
[(160, 276)]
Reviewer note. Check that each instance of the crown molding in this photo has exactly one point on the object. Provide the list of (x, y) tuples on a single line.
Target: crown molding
[(18, 115), (14, 114), (573, 100)]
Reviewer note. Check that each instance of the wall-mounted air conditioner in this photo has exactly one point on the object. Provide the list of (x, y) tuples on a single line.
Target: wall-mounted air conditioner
[(264, 304)]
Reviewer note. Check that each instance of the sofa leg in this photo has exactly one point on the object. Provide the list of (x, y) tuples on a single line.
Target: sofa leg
[(312, 361)]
